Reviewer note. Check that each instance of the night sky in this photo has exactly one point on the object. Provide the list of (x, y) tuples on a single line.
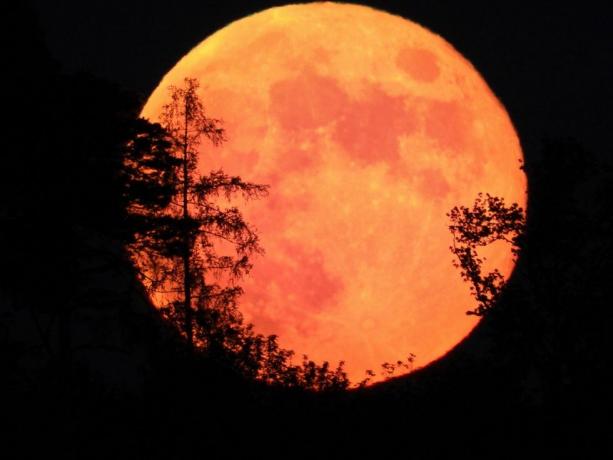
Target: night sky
[(551, 67), (534, 373)]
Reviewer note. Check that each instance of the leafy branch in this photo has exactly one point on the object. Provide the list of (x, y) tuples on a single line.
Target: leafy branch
[(487, 221)]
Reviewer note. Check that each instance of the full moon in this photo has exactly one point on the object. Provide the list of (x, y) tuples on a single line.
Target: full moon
[(368, 128)]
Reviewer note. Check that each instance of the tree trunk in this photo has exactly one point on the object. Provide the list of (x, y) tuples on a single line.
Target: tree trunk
[(186, 243)]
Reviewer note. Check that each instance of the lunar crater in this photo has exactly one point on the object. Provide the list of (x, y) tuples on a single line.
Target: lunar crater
[(420, 64)]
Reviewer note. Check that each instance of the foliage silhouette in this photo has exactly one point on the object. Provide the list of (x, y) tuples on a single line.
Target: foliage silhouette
[(489, 220), (183, 260), (388, 370), (193, 221)]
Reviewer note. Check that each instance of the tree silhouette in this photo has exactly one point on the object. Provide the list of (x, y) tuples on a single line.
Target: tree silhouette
[(181, 247), (489, 220), (194, 226)]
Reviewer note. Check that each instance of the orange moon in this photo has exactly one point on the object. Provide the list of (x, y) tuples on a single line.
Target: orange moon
[(368, 129)]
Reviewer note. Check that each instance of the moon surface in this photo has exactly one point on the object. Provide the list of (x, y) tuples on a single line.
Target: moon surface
[(368, 128)]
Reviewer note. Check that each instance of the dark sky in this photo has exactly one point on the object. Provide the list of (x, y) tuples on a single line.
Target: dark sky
[(551, 65)]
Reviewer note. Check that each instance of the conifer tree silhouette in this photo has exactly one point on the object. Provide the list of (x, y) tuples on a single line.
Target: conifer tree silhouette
[(194, 222), (180, 254)]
